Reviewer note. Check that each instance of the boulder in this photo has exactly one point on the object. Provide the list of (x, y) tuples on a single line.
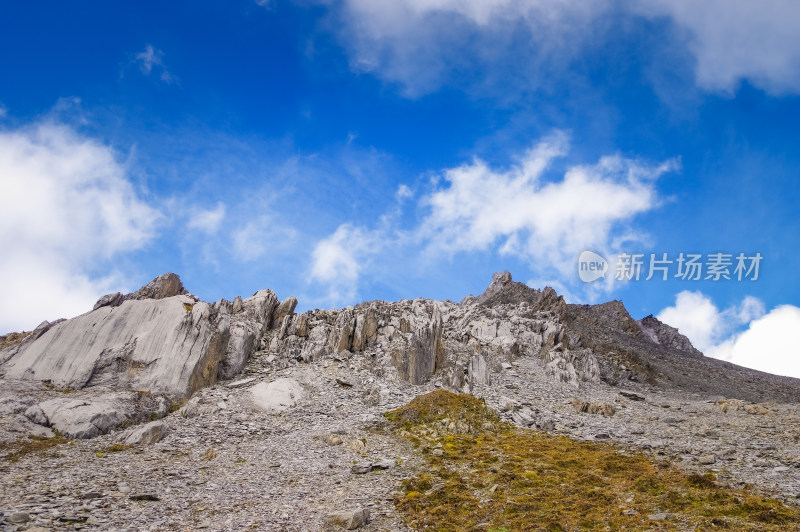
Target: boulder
[(109, 300), (278, 395), (163, 286), (349, 519), (146, 434), (81, 418)]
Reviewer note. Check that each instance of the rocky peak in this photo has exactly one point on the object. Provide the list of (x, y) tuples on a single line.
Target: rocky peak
[(163, 286), (663, 334), (503, 290)]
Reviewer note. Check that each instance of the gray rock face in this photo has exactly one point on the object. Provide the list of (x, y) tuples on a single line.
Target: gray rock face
[(158, 339), (249, 320), (462, 343), (170, 346)]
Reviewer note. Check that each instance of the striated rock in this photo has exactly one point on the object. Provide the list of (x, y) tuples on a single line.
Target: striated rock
[(158, 339), (170, 346)]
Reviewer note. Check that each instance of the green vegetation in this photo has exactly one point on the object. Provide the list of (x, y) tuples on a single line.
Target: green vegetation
[(484, 474)]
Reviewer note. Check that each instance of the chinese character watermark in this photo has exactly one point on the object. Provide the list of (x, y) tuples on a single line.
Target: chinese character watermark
[(684, 266)]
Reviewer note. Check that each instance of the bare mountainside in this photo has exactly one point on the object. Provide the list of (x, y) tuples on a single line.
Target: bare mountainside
[(158, 411)]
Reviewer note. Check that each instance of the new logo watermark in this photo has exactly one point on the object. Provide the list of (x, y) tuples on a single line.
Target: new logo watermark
[(591, 266), (685, 266)]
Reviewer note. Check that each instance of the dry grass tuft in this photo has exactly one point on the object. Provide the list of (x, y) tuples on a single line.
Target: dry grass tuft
[(14, 450), (488, 475)]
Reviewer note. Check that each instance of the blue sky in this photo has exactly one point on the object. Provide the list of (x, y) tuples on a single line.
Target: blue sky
[(342, 151)]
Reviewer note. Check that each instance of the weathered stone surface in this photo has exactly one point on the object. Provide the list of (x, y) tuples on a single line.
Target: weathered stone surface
[(171, 346), (278, 395)]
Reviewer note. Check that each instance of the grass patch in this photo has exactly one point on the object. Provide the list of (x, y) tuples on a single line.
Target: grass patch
[(14, 450), (484, 474), (116, 448)]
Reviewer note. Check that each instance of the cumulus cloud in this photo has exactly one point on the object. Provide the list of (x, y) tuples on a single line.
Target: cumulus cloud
[(419, 43), (733, 40), (542, 221), (66, 208), (519, 211), (769, 341), (151, 60), (337, 261), (769, 344), (207, 221)]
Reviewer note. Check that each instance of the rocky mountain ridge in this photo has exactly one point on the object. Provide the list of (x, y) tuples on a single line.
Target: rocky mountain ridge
[(262, 392)]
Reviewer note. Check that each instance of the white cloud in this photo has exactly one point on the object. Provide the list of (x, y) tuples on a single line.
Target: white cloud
[(261, 237), (66, 207), (770, 342), (151, 59), (546, 222), (739, 39), (207, 220), (419, 43), (403, 193), (338, 259)]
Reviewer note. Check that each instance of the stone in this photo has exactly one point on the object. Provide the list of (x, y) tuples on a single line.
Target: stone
[(707, 459), (604, 409), (278, 395), (285, 308), (109, 300), (661, 516), (147, 434), (361, 468), (18, 518), (241, 382), (349, 519), (162, 287), (79, 418), (383, 464)]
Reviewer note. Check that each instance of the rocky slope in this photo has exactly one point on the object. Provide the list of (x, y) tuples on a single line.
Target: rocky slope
[(277, 406)]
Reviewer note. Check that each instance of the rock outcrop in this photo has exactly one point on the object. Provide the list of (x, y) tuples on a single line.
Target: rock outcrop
[(661, 333), (158, 339), (462, 344)]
